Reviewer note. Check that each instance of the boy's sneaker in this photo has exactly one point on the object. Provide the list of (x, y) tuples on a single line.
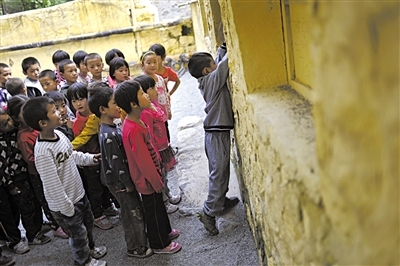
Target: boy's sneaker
[(6, 260), (174, 234), (175, 199), (171, 208), (40, 239), (142, 252), (60, 233), (208, 222), (98, 252), (170, 249), (22, 247), (230, 202), (103, 223), (94, 262), (111, 211)]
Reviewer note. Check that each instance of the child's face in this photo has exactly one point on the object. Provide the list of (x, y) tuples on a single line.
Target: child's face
[(121, 74), (112, 110), (48, 84), (149, 64), (81, 105), (95, 67), (5, 74), (70, 73), (153, 93), (33, 72), (61, 107), (143, 99), (53, 117), (159, 61), (6, 123), (82, 68)]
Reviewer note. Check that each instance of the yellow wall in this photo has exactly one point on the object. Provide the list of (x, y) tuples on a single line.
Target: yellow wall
[(84, 17), (319, 175)]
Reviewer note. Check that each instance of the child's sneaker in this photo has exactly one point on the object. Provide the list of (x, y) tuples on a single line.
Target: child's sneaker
[(94, 262), (111, 211), (208, 222), (174, 199), (171, 208), (170, 249), (103, 223), (230, 202), (143, 252), (22, 247), (98, 252), (174, 234), (60, 233), (40, 239)]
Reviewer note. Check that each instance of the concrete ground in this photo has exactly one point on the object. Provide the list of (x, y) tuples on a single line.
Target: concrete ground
[(233, 246)]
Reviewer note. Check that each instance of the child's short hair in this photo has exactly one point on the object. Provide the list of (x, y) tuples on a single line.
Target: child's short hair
[(79, 57), (48, 73), (27, 62), (116, 63), (59, 55), (145, 82), (2, 66), (77, 91), (15, 86), (159, 50), (56, 96), (92, 56), (100, 95), (63, 63), (144, 54), (15, 104), (126, 93), (110, 55), (34, 110), (198, 62)]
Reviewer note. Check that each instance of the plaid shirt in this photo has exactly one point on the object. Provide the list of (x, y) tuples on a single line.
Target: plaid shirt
[(11, 161)]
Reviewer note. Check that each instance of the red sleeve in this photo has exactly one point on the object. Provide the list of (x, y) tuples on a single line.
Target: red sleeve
[(26, 144), (143, 160), (172, 76), (79, 124)]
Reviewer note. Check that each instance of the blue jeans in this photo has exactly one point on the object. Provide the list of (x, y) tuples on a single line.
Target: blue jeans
[(131, 215), (79, 228)]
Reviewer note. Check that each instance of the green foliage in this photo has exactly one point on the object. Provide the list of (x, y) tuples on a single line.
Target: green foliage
[(14, 6)]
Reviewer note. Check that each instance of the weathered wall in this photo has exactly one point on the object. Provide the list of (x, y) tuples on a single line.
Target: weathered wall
[(319, 176), (85, 17)]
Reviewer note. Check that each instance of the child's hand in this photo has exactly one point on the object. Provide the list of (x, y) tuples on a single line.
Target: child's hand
[(169, 115), (97, 158), (15, 191), (70, 122)]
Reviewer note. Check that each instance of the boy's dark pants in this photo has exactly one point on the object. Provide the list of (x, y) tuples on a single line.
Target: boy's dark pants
[(28, 206), (218, 146), (9, 219), (98, 194), (131, 216), (157, 221), (79, 228), (37, 185)]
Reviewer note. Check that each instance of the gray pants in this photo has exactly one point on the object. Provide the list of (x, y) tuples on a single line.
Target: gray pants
[(79, 228), (218, 147)]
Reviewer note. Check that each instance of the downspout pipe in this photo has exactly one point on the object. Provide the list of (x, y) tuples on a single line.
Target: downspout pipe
[(94, 35)]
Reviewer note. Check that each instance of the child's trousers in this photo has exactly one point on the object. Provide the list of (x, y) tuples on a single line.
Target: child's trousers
[(9, 230), (157, 221), (28, 206), (80, 230), (218, 146), (131, 216)]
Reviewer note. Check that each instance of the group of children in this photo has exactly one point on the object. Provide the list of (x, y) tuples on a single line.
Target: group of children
[(54, 128)]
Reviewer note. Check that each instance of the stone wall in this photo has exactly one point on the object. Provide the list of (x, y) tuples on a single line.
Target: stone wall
[(110, 24), (319, 176)]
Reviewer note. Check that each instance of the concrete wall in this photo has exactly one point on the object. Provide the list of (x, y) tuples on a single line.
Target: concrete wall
[(79, 19), (317, 152)]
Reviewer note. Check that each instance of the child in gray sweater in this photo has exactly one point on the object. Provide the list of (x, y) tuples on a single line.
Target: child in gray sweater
[(212, 77)]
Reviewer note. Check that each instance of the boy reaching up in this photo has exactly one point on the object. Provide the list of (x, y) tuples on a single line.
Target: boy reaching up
[(56, 162)]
